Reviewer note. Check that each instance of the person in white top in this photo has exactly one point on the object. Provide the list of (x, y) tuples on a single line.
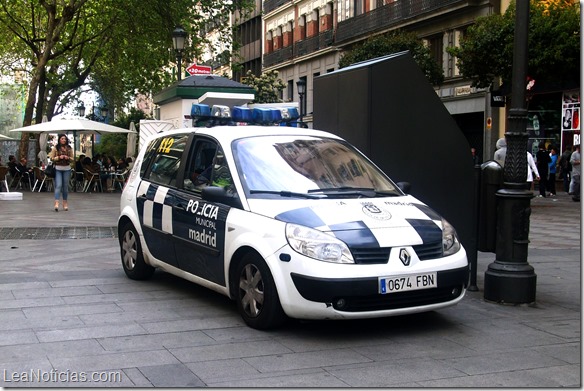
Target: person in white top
[(531, 169)]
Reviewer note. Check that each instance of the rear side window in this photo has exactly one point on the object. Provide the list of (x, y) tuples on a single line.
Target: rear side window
[(163, 158)]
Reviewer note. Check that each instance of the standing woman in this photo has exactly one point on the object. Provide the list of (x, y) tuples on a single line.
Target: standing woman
[(62, 155)]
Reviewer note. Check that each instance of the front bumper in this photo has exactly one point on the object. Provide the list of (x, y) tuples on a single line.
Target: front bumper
[(356, 295)]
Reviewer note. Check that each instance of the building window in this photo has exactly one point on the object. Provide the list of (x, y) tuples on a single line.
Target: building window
[(435, 44), (302, 27), (290, 90), (358, 7)]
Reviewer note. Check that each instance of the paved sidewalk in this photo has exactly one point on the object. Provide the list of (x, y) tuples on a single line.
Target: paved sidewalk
[(69, 315)]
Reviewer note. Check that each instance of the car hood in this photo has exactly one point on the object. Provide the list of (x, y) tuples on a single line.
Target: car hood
[(360, 222)]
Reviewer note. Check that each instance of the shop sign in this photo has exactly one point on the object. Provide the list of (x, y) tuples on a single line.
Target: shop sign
[(464, 90), (498, 101)]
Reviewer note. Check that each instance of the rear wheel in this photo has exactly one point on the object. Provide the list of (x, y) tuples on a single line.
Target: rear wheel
[(132, 257), (257, 297)]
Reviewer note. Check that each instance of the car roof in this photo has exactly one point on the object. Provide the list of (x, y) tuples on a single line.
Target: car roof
[(226, 134)]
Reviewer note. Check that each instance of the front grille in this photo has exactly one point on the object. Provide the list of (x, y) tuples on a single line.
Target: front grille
[(429, 251), (392, 301), (370, 256), (380, 255)]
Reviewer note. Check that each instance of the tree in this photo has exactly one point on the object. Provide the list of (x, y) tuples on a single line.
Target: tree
[(267, 86), (117, 47), (115, 144), (486, 50), (393, 42)]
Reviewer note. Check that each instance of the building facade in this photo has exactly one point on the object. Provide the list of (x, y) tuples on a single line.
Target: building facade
[(304, 39)]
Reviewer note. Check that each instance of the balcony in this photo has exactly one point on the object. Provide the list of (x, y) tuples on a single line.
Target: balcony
[(300, 48), (387, 16)]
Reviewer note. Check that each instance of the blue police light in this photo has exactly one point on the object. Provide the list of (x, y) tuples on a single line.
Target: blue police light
[(200, 110), (289, 113), (266, 116), (241, 114), (205, 115)]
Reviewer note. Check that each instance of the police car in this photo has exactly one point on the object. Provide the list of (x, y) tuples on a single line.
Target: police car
[(286, 221)]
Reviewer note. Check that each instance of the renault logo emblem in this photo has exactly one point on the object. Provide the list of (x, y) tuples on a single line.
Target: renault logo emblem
[(404, 256)]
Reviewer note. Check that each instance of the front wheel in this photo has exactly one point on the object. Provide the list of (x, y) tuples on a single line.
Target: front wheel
[(132, 257), (257, 298)]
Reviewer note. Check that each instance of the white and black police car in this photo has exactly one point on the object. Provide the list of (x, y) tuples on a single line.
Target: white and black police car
[(286, 221)]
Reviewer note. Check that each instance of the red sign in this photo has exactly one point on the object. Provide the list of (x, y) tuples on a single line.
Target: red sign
[(195, 69)]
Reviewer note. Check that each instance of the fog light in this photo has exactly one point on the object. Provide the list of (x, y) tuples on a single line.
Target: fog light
[(340, 304), (455, 292)]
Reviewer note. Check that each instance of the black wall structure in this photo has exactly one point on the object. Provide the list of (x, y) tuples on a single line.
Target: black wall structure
[(388, 109)]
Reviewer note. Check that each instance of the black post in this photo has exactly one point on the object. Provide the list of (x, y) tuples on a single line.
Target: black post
[(510, 278), (179, 63)]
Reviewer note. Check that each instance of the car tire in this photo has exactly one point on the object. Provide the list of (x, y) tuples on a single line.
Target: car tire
[(257, 298), (132, 256)]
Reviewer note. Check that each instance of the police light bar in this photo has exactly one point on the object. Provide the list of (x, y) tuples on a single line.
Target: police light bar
[(203, 115)]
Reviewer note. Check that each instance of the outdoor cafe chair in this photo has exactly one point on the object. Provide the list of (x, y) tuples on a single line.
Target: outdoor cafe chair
[(119, 179), (21, 178), (92, 180), (3, 173), (42, 178)]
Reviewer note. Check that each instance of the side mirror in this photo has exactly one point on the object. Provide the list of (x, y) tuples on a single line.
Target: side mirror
[(219, 195), (404, 186)]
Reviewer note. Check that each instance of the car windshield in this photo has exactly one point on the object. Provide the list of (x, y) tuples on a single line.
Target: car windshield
[(295, 165)]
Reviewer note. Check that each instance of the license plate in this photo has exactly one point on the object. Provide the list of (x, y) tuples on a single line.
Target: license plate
[(410, 282)]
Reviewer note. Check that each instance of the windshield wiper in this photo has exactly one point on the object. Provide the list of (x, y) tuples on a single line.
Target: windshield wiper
[(284, 193), (342, 188), (347, 190)]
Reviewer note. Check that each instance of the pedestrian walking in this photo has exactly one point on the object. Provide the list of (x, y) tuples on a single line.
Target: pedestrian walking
[(62, 155), (542, 160), (566, 168), (501, 151), (531, 170), (551, 183), (576, 170)]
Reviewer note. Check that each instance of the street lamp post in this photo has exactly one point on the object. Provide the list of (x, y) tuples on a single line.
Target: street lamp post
[(301, 86), (510, 278), (178, 42)]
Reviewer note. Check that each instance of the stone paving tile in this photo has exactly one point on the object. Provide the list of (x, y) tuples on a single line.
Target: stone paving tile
[(392, 373), (15, 337), (171, 375), (74, 333), (31, 351), (132, 343), (113, 361), (302, 380), (56, 310), (229, 350), (560, 376), (503, 362)]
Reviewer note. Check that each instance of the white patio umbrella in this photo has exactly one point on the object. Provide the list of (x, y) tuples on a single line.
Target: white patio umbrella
[(131, 142), (3, 137), (42, 155), (77, 124), (72, 124)]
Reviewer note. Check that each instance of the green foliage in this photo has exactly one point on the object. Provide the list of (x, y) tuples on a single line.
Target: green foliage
[(394, 42), (115, 144), (115, 47), (486, 50), (267, 86)]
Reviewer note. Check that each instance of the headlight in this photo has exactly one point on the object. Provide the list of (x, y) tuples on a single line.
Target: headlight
[(450, 243), (318, 245)]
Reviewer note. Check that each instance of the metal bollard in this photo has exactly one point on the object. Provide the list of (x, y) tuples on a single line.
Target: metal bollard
[(491, 180)]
